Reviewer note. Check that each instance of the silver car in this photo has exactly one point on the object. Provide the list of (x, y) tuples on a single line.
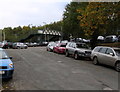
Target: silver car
[(50, 46), (78, 50), (106, 55)]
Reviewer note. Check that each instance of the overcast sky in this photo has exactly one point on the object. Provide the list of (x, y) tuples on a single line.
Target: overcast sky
[(15, 13)]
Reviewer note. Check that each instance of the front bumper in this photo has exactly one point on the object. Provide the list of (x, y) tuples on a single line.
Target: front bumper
[(62, 51), (7, 74), (84, 55)]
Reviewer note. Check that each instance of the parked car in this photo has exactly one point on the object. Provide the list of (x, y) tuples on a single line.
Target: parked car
[(100, 39), (6, 65), (111, 38), (8, 45), (50, 46), (1, 45), (60, 48), (106, 55), (78, 50), (19, 46)]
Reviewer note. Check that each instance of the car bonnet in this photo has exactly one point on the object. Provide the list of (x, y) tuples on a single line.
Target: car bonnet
[(83, 50), (5, 62)]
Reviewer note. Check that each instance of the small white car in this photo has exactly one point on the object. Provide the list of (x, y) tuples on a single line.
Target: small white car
[(50, 46), (20, 46)]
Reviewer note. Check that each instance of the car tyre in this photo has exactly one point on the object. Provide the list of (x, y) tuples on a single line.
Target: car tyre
[(76, 56), (18, 47), (67, 54), (117, 66), (95, 61), (54, 50)]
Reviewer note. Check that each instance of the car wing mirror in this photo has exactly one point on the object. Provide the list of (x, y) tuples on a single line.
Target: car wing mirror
[(112, 54), (11, 57), (74, 47)]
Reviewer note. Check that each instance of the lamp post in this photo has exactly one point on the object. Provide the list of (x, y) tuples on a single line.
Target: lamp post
[(45, 30), (30, 25)]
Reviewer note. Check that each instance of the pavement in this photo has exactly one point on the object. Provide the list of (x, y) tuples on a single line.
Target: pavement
[(38, 69)]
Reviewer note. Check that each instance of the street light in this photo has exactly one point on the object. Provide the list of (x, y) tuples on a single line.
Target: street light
[(45, 29), (30, 25)]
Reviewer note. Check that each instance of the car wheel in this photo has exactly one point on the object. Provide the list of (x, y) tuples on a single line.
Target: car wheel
[(117, 66), (49, 49), (54, 50), (95, 61), (67, 54), (18, 47), (76, 56)]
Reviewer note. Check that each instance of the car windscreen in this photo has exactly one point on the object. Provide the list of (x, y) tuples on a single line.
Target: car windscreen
[(62, 45), (82, 46), (3, 55), (117, 52)]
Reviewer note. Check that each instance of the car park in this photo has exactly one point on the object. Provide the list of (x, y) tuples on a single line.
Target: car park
[(60, 48), (50, 46), (106, 55), (6, 65), (78, 50)]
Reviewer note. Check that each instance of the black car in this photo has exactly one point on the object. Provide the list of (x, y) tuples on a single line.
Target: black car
[(8, 45), (78, 50)]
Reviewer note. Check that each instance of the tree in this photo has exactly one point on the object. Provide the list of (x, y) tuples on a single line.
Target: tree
[(96, 17), (70, 21)]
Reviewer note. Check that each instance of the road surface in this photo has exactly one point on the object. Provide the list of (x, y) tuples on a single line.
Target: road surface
[(37, 69)]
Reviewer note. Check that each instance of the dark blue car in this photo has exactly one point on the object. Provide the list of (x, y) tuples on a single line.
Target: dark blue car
[(6, 65)]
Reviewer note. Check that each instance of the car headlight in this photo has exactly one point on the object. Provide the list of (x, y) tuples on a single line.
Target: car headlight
[(11, 65)]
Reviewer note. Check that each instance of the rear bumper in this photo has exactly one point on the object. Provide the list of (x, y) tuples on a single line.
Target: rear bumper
[(8, 74)]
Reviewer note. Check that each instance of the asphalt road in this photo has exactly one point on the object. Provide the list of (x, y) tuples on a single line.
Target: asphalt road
[(37, 69)]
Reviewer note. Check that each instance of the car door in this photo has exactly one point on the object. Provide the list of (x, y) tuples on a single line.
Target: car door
[(73, 49), (101, 55), (110, 57), (69, 48)]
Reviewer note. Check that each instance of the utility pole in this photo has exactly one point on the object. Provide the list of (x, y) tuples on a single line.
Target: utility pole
[(45, 30)]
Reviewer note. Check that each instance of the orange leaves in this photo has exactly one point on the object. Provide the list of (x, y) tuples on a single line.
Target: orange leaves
[(79, 17), (79, 10)]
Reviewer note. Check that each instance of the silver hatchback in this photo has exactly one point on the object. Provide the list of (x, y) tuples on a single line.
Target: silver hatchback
[(106, 55)]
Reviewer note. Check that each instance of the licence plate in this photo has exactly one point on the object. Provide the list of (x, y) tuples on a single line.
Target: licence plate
[(2, 72)]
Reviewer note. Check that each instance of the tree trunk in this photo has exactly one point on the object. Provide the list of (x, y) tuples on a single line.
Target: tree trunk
[(93, 41)]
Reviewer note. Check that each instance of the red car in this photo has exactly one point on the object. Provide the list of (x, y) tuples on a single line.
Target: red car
[(60, 48)]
